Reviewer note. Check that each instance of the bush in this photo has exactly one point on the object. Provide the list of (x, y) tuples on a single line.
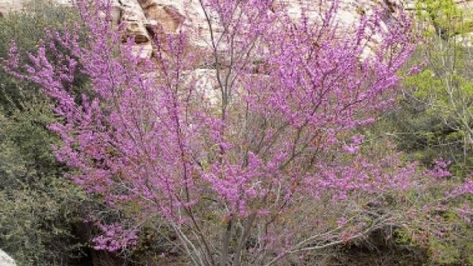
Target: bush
[(39, 207), (433, 124)]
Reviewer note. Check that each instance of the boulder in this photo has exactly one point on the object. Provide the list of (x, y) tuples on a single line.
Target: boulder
[(6, 260)]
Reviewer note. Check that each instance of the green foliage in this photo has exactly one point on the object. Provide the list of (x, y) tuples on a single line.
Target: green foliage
[(444, 18), (436, 115), (39, 207), (434, 120)]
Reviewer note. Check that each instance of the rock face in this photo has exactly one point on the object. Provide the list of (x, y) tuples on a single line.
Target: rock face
[(143, 18), (171, 16), (6, 260)]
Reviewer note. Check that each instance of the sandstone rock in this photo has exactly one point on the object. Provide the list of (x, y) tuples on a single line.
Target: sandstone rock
[(6, 260), (165, 14), (132, 14), (171, 16)]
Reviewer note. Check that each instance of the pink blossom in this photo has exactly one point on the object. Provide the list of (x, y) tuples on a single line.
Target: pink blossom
[(153, 140)]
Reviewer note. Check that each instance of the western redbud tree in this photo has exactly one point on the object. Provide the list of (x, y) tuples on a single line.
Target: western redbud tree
[(239, 169)]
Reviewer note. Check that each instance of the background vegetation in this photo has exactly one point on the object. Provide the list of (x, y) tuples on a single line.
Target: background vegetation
[(39, 206)]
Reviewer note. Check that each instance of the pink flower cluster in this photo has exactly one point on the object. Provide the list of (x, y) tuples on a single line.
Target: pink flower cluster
[(440, 169), (114, 238)]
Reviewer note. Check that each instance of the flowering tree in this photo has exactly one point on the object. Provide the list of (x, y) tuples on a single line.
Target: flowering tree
[(238, 171)]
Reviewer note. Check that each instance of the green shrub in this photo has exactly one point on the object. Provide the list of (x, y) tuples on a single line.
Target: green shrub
[(434, 120), (39, 207)]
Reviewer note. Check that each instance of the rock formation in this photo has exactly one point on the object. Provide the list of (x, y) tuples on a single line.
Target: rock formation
[(143, 18), (173, 15)]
